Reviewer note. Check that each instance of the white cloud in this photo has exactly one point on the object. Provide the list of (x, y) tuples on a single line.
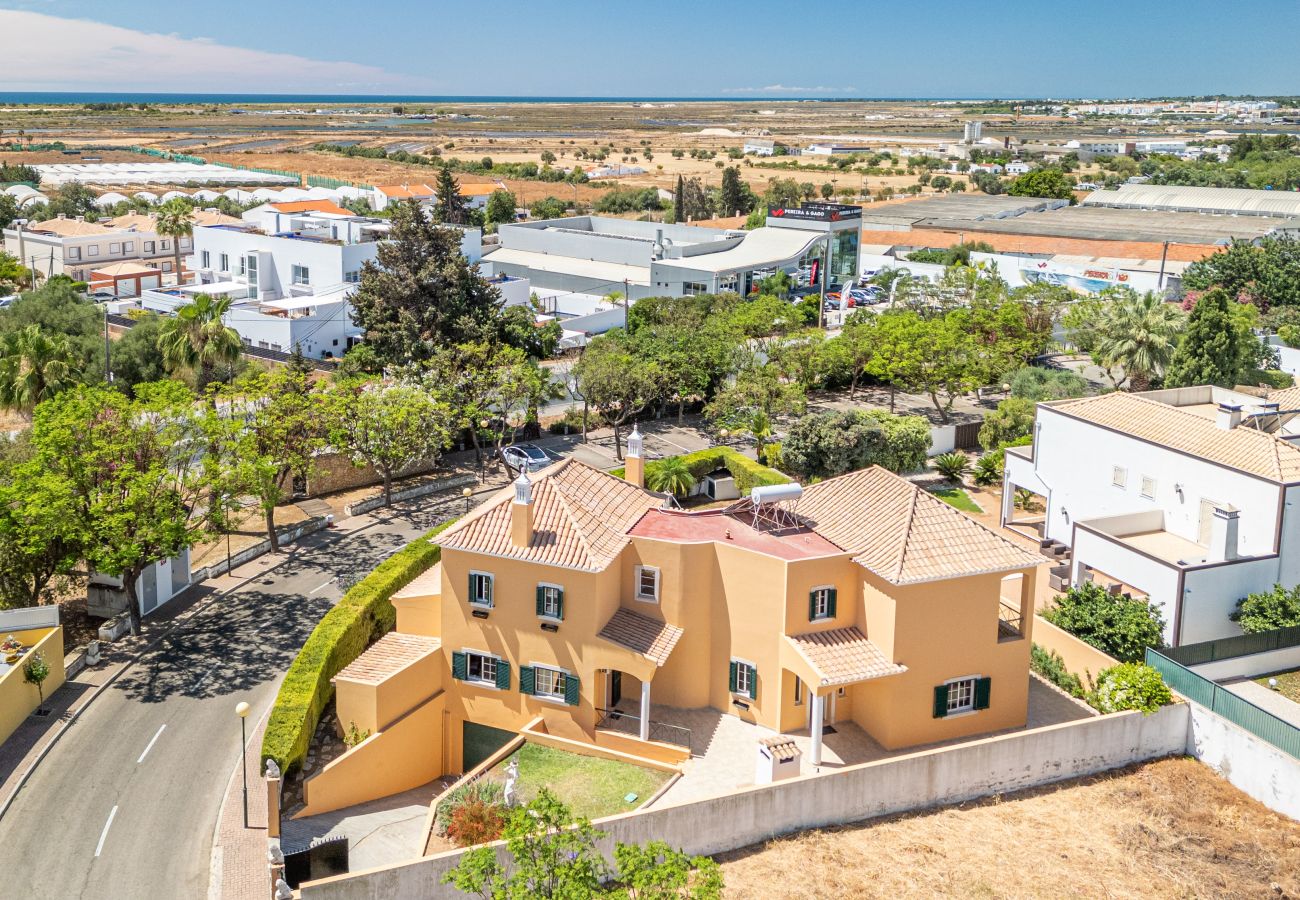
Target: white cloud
[(786, 89), (48, 53)]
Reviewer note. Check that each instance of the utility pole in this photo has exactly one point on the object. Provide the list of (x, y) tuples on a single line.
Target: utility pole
[(108, 350), (1164, 253)]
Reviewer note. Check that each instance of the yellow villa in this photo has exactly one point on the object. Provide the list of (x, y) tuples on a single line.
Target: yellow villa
[(573, 593)]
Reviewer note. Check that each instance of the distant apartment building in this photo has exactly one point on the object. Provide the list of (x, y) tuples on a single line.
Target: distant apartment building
[(474, 195), (759, 146), (1186, 497), (75, 247)]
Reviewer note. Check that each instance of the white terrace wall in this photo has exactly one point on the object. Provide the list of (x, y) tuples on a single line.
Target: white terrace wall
[(1250, 764), (930, 778)]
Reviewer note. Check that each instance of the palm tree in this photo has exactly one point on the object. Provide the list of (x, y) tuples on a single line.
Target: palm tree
[(34, 367), (671, 476), (1138, 333), (175, 219), (198, 340)]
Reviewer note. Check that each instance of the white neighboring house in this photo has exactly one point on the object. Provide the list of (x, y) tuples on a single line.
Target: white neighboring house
[(759, 146), (990, 168), (290, 268), (474, 195), (75, 247), (1188, 496), (1016, 167)]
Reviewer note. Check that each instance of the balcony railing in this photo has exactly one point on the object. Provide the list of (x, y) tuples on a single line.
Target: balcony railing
[(1010, 622), (627, 723)]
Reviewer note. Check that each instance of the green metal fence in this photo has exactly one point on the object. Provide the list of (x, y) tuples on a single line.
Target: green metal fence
[(1240, 645), (326, 182), (1237, 710)]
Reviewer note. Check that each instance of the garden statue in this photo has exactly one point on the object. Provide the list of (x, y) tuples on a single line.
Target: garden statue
[(512, 776), (272, 770)]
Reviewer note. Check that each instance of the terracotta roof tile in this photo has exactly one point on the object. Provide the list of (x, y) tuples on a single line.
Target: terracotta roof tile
[(651, 638), (70, 228), (317, 206), (1245, 449), (903, 533), (782, 747), (581, 517), (843, 655), (427, 584), (387, 656)]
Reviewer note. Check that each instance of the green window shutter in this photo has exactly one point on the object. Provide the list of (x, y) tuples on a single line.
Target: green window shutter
[(503, 674), (459, 666), (472, 596), (541, 600), (812, 605), (559, 603), (940, 701), (753, 682), (526, 679), (571, 689), (731, 677), (982, 692), (830, 602)]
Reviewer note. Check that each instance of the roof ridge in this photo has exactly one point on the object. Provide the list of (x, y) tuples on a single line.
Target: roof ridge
[(578, 530), (907, 533)]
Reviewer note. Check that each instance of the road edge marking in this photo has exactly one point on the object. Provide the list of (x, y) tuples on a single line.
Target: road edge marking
[(152, 741), (99, 848)]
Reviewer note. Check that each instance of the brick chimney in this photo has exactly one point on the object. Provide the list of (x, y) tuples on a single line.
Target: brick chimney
[(634, 463), (521, 512)]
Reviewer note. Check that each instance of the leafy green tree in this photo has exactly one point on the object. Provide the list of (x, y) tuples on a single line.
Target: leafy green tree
[(197, 340), (1081, 322), (36, 542), (671, 476), (1211, 351), (1013, 419), (695, 201), (58, 308), (1264, 273), (137, 485), (35, 671), (175, 220), (548, 208), (616, 380), (421, 293), (679, 200), (136, 355), (500, 207), (1047, 182), (827, 444), (9, 210), (658, 872), (1268, 610), (548, 158), (756, 389), (1116, 625), (72, 199), (907, 440), (1131, 685), (854, 348), (1138, 334), (34, 366), (13, 274), (388, 427), (735, 197), (936, 356), (1038, 384), (449, 209)]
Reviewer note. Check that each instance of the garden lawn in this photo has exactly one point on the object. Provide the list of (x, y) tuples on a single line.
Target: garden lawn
[(957, 498), (590, 786), (1288, 684)]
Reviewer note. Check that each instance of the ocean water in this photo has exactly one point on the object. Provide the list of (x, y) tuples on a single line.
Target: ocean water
[(79, 97)]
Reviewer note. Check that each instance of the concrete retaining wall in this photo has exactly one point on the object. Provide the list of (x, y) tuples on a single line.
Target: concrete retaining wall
[(1250, 665), (287, 534), (916, 781), (419, 490), (1252, 765)]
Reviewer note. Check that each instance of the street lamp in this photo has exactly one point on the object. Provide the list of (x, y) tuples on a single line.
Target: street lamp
[(241, 710), (467, 493)]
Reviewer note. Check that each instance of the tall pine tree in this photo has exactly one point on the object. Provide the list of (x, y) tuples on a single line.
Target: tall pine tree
[(735, 200), (679, 210), (1211, 351), (450, 208)]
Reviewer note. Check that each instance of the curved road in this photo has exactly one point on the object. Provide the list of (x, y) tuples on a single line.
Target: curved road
[(124, 804)]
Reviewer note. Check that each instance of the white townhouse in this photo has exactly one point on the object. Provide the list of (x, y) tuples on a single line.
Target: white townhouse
[(1189, 497), (75, 247)]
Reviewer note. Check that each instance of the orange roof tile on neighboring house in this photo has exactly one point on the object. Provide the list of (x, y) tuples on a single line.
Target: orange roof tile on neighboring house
[(406, 191), (478, 190), (317, 206), (133, 221), (209, 217), (652, 638), (388, 656), (1244, 449), (902, 533), (843, 656), (70, 228), (115, 270), (581, 517)]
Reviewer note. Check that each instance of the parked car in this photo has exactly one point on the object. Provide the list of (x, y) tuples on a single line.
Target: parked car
[(8, 301), (528, 457), (102, 296)]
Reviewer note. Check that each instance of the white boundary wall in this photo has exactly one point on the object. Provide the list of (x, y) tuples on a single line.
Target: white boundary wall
[(1250, 764), (1251, 665), (930, 778)]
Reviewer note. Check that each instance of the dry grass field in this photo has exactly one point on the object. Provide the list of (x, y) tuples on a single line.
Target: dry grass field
[(1167, 829)]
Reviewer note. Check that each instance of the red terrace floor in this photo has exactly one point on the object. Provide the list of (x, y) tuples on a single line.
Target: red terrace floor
[(715, 525)]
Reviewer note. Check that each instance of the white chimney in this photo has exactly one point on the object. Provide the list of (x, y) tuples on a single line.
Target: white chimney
[(521, 511), (1223, 535), (1229, 416)]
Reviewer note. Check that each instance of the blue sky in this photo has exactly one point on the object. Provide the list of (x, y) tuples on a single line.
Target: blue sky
[(660, 48)]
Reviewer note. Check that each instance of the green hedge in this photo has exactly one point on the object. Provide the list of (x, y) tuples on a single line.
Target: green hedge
[(748, 473), (363, 615)]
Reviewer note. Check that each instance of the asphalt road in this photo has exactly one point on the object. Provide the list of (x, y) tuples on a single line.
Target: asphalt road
[(124, 805)]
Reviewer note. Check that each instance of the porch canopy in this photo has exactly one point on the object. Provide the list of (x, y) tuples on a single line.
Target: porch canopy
[(650, 639), (832, 658)]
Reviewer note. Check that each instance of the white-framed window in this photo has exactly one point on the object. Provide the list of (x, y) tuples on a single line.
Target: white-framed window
[(1119, 476), (550, 601), (821, 602), (353, 277), (480, 668), (480, 589), (74, 253), (301, 274), (548, 682), (149, 246), (114, 249), (961, 695), (128, 246), (206, 260), (223, 262), (1148, 487), (743, 678), (166, 266), (92, 250), (647, 584), (164, 245)]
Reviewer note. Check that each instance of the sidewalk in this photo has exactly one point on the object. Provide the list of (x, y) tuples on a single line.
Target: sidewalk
[(239, 854)]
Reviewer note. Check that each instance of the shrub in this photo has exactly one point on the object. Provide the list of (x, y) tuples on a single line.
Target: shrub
[(671, 476), (354, 735), (1038, 384), (1265, 611), (952, 465), (988, 469), (1012, 420), (364, 614), (1290, 335), (907, 440), (1275, 379), (1121, 627), (1048, 663), (747, 472), (475, 822), (1131, 686)]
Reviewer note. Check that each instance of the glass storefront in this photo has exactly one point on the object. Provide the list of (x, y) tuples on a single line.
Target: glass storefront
[(843, 266)]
